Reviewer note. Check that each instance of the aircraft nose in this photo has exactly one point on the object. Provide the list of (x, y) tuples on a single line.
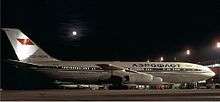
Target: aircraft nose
[(211, 74)]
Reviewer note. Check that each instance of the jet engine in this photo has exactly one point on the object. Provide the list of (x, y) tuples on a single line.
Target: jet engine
[(156, 80), (138, 78), (133, 77)]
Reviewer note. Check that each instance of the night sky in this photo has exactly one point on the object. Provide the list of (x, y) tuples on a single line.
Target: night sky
[(116, 29)]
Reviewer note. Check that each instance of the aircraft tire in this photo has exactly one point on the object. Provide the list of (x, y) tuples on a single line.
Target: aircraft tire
[(115, 87)]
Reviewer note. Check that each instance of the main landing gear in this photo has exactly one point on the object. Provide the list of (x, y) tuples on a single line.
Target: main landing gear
[(117, 83)]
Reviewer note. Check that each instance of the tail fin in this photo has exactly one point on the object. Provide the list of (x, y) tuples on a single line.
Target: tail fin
[(25, 49)]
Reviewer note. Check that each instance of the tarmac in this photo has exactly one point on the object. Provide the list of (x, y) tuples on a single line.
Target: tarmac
[(111, 95)]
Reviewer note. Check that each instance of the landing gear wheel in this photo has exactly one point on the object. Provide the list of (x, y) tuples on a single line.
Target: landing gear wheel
[(117, 83), (116, 87)]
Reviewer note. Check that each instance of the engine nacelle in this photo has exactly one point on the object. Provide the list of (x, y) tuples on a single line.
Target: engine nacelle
[(156, 80), (137, 78), (132, 77)]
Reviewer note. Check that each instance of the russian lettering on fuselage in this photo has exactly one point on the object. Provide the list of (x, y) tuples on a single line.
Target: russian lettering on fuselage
[(157, 65)]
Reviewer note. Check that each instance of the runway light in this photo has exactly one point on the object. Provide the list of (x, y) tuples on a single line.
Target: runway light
[(218, 44), (74, 33), (188, 52)]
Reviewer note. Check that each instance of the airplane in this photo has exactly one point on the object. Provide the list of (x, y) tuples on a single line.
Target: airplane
[(116, 73)]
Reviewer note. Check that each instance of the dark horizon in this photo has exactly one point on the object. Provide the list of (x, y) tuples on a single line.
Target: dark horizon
[(117, 30), (108, 30)]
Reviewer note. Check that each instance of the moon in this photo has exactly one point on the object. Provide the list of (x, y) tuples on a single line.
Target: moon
[(74, 33)]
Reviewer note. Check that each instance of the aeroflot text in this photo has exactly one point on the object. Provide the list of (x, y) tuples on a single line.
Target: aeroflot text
[(156, 65)]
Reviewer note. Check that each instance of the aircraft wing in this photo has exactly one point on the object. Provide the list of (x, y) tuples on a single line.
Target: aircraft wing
[(110, 67), (19, 63), (114, 67)]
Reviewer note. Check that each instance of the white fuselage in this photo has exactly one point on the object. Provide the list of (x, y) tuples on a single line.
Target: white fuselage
[(89, 72)]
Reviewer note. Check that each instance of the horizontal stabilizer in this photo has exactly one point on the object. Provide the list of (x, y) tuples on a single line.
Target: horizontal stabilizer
[(20, 63)]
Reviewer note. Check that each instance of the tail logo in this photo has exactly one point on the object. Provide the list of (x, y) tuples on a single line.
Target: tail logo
[(25, 41)]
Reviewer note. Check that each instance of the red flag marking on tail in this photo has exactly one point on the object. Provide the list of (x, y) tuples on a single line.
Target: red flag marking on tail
[(25, 41)]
